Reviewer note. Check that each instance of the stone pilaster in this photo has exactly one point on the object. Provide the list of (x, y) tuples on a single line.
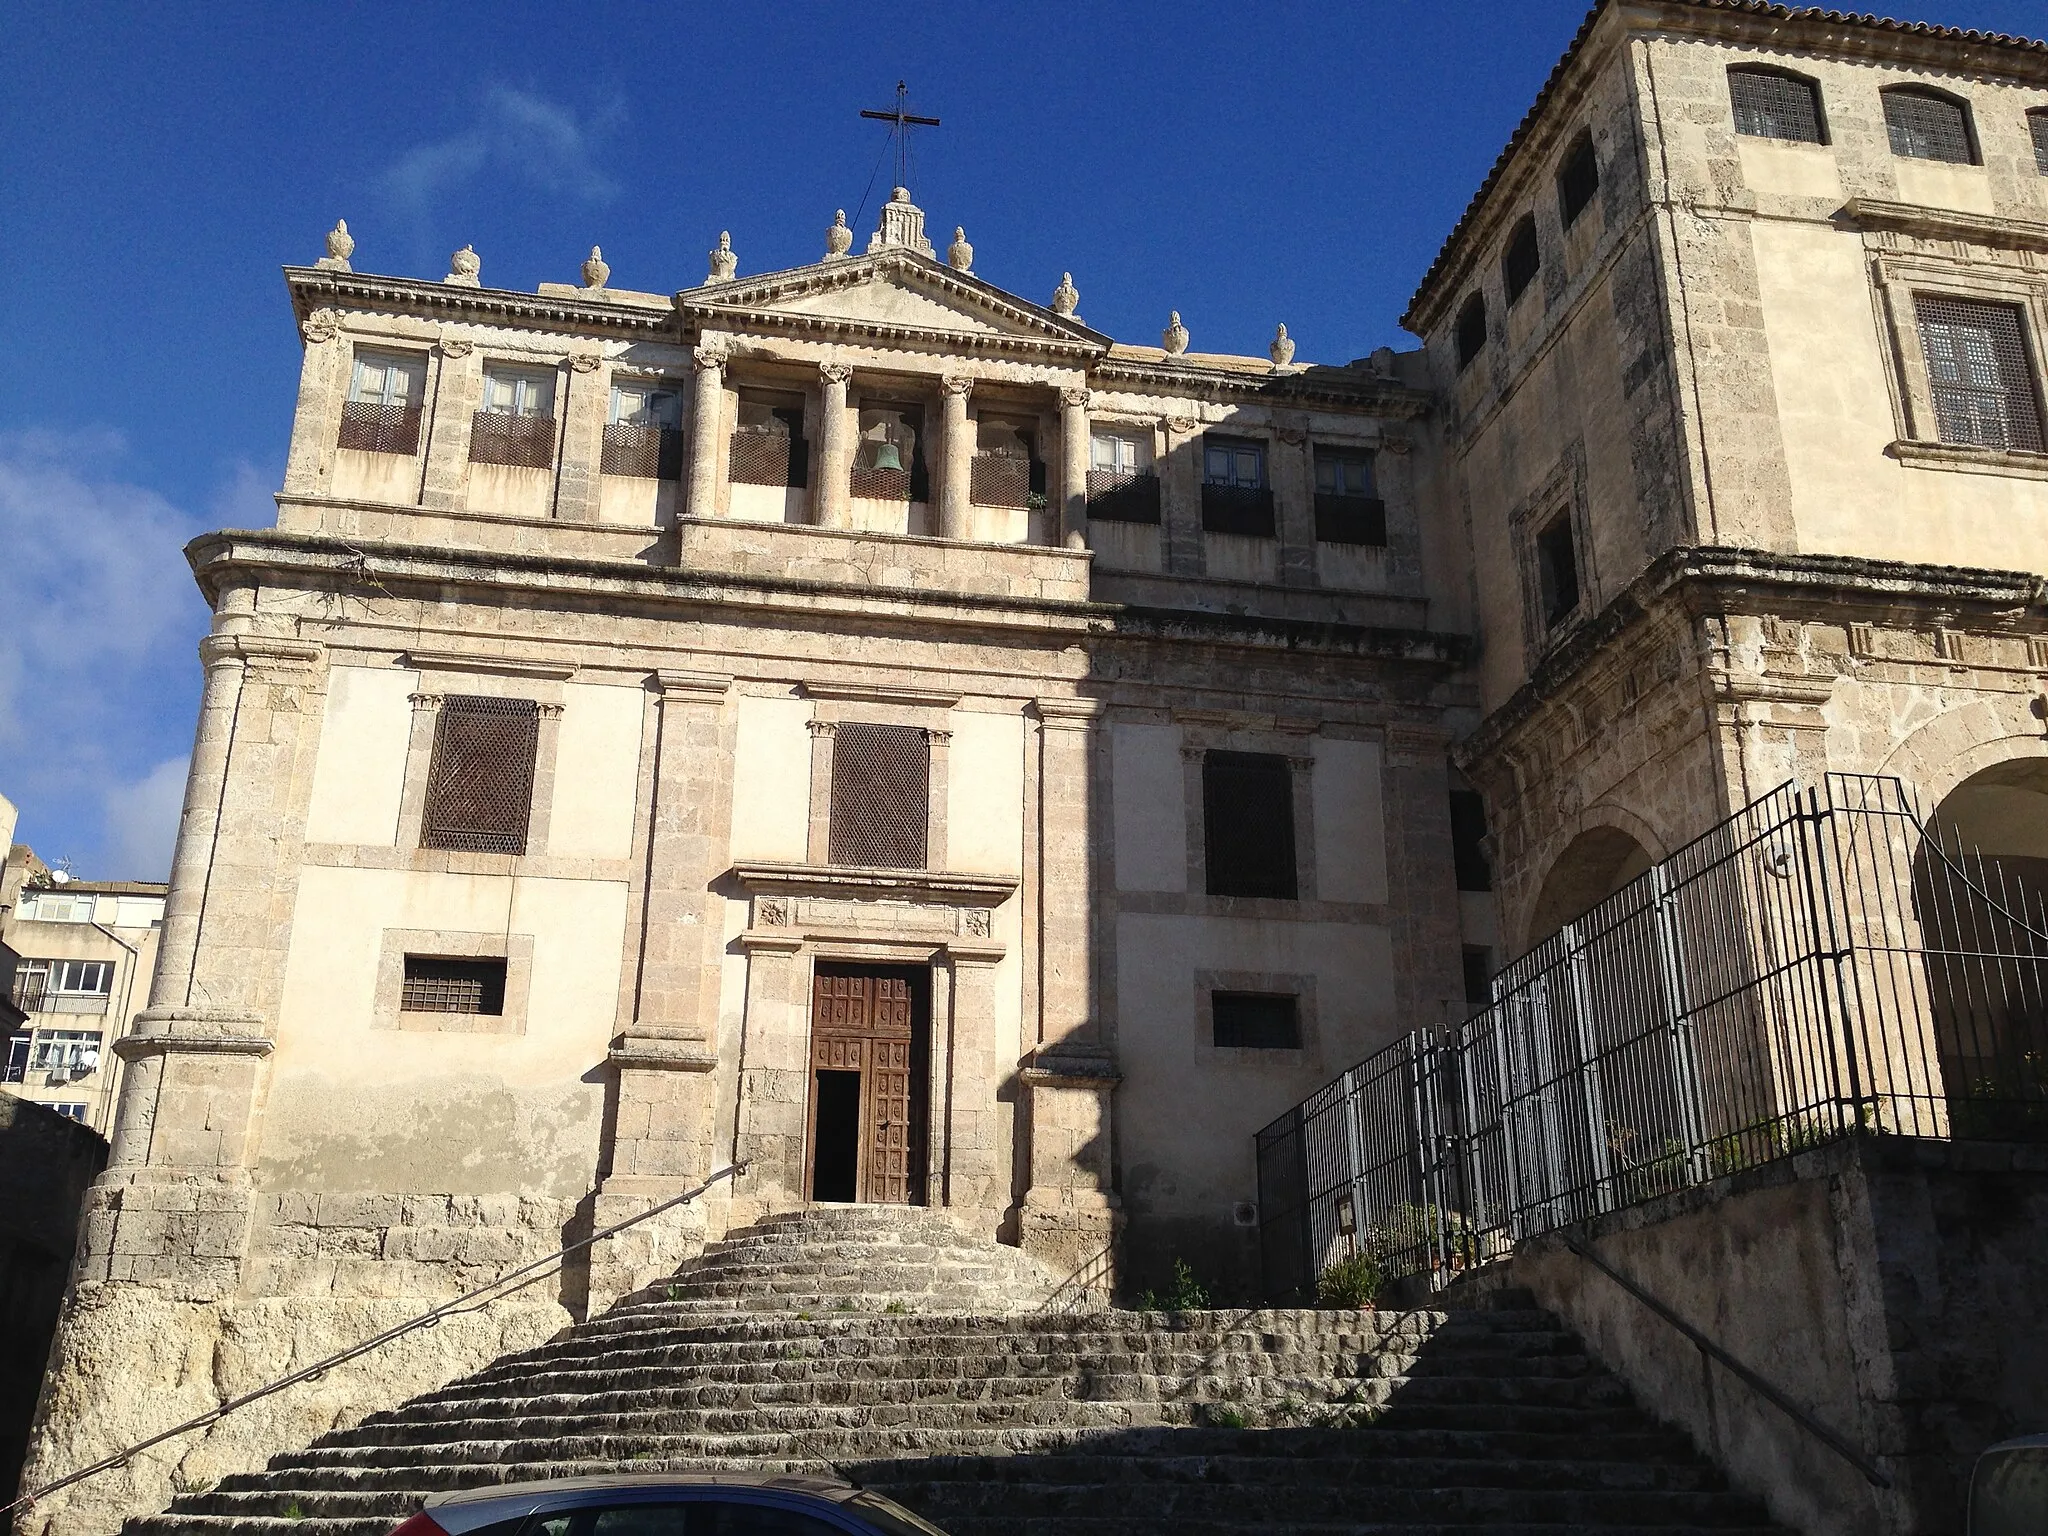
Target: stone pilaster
[(323, 387), (458, 390), (956, 443), (1294, 506), (977, 1173), (1182, 549), (1066, 741), (831, 494), (661, 1146), (588, 390), (1073, 522), (707, 429), (1072, 1218), (775, 1074)]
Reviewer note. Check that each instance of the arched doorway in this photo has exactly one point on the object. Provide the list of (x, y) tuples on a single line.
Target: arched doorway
[(1596, 864), (1980, 894)]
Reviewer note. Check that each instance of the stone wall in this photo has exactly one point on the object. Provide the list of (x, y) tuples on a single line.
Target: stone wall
[(1897, 1290), (46, 1164)]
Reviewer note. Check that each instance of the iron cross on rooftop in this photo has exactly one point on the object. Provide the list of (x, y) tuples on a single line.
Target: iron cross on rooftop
[(903, 123)]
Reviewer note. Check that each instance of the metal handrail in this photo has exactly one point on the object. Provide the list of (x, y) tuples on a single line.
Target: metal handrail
[(1748, 1377), (428, 1319)]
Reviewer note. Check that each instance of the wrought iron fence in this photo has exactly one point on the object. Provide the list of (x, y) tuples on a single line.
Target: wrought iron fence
[(1826, 962)]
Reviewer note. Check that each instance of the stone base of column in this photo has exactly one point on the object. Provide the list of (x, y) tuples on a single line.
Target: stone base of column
[(649, 1253), (661, 1147), (1072, 1219), (1078, 1234)]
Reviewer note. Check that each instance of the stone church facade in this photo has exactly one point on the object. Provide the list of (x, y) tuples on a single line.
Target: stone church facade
[(864, 724)]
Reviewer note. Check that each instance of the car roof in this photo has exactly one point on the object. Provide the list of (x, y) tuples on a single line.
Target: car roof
[(818, 1487)]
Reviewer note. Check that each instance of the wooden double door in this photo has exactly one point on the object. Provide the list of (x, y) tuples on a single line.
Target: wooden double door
[(870, 1049)]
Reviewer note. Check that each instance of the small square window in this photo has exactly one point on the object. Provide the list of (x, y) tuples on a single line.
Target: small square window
[(1927, 126), (445, 984), (1257, 1021), (1770, 104), (1557, 571)]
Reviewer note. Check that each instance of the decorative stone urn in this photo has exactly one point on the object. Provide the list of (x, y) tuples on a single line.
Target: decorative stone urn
[(960, 255), (1175, 337), (838, 239), (1065, 298), (723, 262), (595, 273), (1282, 349), (464, 267), (340, 246)]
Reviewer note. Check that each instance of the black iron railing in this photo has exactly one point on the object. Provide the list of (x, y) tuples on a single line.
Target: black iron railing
[(1115, 497), (1825, 963), (1240, 509)]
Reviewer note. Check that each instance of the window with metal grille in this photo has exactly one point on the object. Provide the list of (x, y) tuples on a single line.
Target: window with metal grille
[(517, 423), (1006, 470), (1347, 509), (1121, 485), (881, 795), (1557, 572), (445, 984), (1925, 125), (1257, 1021), (1522, 260), (1978, 373), (1471, 330), (643, 436), (1468, 841), (480, 784), (2037, 121), (1578, 179), (1771, 104), (382, 412), (1248, 824), (768, 445), (1235, 496)]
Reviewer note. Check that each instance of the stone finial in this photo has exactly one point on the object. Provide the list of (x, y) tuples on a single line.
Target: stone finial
[(340, 246), (838, 239), (960, 255), (595, 272), (1175, 337), (723, 262), (1282, 348), (1382, 362), (1065, 298), (463, 268), (902, 224)]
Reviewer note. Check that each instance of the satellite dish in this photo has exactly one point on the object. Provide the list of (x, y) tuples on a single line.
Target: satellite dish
[(60, 876)]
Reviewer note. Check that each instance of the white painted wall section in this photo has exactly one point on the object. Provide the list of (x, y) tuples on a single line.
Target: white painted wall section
[(1148, 798), (985, 794), (771, 781), (359, 777), (597, 771)]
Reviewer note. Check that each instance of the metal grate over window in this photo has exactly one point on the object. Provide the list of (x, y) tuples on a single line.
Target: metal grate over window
[(379, 428), (1002, 479), (442, 984), (1770, 105), (651, 453), (1924, 126), (761, 457), (480, 785), (1248, 824), (525, 442), (1118, 497), (881, 795), (1258, 1021), (1978, 373), (2037, 121)]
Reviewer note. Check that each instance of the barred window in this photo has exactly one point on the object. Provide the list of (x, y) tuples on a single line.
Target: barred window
[(1578, 179), (2037, 121), (1925, 125), (1235, 496), (382, 412), (1258, 1021), (1248, 824), (1523, 260), (480, 784), (445, 984), (1978, 373), (1771, 104), (516, 425), (1471, 332), (881, 795)]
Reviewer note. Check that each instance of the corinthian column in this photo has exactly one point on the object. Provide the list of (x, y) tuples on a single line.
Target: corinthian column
[(707, 434), (835, 449), (1073, 528), (957, 444)]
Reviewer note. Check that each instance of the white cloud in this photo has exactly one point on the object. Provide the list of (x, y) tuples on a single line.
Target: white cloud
[(519, 136), (98, 676), (142, 821), (245, 498)]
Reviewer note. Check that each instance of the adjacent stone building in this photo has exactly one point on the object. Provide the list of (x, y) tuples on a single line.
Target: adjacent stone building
[(863, 723)]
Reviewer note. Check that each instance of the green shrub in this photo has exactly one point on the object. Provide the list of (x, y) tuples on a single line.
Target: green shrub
[(1223, 1416), (1186, 1294), (1354, 1282)]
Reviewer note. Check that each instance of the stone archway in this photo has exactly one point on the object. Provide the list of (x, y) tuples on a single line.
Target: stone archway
[(1596, 864)]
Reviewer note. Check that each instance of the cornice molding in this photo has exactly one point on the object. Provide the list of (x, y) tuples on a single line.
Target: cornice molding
[(312, 289), (883, 693), (1948, 224), (933, 887), (505, 666)]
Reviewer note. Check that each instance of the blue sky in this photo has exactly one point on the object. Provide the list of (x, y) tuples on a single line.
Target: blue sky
[(1245, 165)]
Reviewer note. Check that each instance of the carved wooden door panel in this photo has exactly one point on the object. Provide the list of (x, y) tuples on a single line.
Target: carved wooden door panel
[(887, 1103)]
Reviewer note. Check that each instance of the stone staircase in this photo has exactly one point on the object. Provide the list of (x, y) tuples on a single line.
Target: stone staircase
[(891, 1349)]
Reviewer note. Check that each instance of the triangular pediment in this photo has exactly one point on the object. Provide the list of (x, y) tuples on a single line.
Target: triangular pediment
[(894, 294)]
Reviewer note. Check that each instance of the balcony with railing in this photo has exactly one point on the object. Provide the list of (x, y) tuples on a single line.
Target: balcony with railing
[(371, 428), (520, 442), (1000, 478), (646, 453), (759, 456), (1350, 519), (1123, 496), (1246, 510)]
